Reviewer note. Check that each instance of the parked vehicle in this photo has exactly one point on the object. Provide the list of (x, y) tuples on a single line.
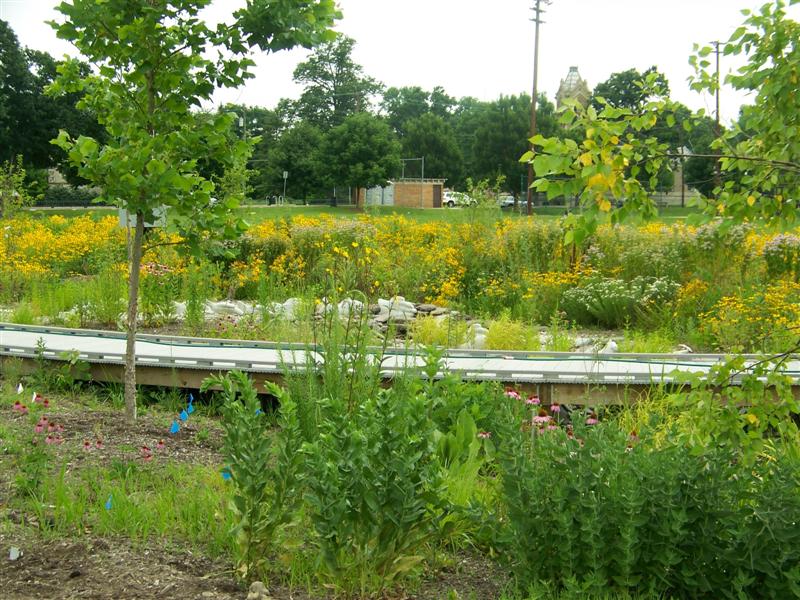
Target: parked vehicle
[(452, 199)]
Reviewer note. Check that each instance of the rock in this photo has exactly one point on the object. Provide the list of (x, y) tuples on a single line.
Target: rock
[(478, 329), (374, 309), (610, 348), (683, 349), (224, 307), (349, 306), (323, 307), (382, 318), (400, 316), (258, 591), (14, 553), (426, 308), (398, 303), (439, 311), (179, 310), (291, 308)]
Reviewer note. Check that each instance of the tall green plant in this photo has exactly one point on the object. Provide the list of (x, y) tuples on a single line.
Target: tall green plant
[(264, 472), (373, 489)]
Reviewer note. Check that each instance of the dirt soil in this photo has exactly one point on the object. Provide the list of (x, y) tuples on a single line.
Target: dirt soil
[(91, 567)]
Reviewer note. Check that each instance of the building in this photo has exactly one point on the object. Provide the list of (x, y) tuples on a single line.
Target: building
[(574, 87), (408, 193)]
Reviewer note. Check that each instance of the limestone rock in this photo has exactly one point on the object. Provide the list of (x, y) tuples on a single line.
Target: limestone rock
[(258, 591), (426, 308), (610, 348)]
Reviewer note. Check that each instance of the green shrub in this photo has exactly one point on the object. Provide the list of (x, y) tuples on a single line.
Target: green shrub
[(615, 302), (603, 511), (505, 334), (373, 489)]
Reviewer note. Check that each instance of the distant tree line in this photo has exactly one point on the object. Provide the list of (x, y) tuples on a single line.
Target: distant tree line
[(346, 130)]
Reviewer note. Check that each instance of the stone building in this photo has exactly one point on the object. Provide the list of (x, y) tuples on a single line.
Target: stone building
[(573, 87)]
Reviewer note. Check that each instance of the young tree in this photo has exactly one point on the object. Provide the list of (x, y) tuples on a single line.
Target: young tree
[(154, 67)]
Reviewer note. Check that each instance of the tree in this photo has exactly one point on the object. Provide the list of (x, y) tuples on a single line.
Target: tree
[(759, 155), (624, 89), (15, 96), (361, 152), (152, 70), (501, 134), (432, 137), (296, 152), (404, 104), (335, 86)]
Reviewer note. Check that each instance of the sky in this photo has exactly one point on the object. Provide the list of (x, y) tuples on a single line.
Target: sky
[(481, 48)]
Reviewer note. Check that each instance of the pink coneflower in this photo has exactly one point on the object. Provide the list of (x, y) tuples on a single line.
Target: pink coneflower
[(160, 445), (592, 421), (98, 443), (552, 427), (59, 428), (39, 428), (534, 400), (633, 437), (513, 394), (555, 407), (58, 439), (51, 427), (38, 398), (49, 440), (484, 435), (87, 445), (542, 417), (23, 409), (46, 403), (18, 406)]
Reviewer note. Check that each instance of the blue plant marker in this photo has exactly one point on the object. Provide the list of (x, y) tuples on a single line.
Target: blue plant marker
[(226, 475), (108, 503), (190, 408), (174, 428), (184, 415), (258, 411)]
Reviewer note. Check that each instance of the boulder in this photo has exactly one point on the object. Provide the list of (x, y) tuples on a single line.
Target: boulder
[(350, 307), (426, 308)]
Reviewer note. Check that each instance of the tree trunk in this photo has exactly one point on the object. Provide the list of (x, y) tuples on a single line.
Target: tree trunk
[(135, 262)]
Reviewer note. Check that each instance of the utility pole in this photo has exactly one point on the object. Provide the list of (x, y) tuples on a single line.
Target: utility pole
[(537, 9), (717, 169)]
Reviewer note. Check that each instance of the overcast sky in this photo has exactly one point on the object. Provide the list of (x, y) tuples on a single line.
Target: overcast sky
[(481, 48)]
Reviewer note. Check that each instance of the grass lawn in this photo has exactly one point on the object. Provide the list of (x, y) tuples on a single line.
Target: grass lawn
[(258, 213)]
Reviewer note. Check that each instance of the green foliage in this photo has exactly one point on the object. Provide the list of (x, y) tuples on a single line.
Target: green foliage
[(604, 169), (603, 511), (157, 293), (750, 412), (263, 472), (759, 161), (506, 334), (447, 332), (13, 193), (373, 489), (335, 87), (613, 302), (361, 152)]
